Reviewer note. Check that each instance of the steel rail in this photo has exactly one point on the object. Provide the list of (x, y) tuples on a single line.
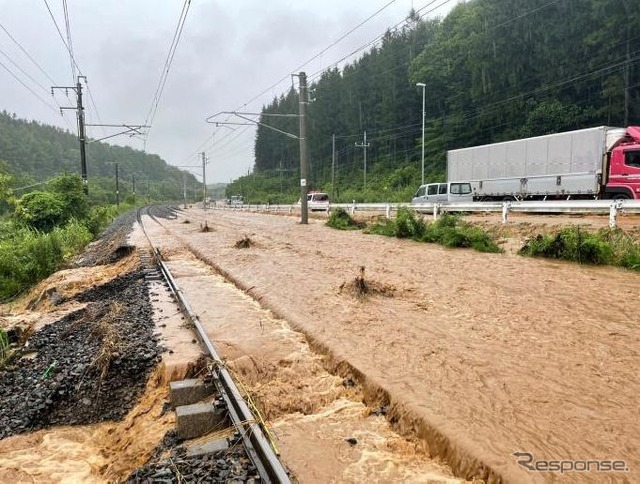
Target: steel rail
[(255, 441)]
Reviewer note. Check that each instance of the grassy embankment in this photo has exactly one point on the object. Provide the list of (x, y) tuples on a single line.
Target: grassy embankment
[(28, 255)]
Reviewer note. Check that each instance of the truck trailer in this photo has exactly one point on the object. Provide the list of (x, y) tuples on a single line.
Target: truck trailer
[(591, 163)]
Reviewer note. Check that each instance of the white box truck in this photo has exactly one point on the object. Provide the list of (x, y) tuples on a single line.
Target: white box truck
[(600, 162)]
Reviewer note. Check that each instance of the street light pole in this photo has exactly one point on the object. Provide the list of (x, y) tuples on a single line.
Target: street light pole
[(423, 86)]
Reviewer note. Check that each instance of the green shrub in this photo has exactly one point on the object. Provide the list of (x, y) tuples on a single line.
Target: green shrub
[(451, 231), (41, 211), (448, 230), (99, 218), (571, 243), (407, 226), (607, 246), (341, 220), (68, 187), (382, 226)]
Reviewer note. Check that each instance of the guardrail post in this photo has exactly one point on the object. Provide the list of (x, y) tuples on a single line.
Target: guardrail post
[(613, 213), (388, 210), (353, 207), (506, 206), (436, 208)]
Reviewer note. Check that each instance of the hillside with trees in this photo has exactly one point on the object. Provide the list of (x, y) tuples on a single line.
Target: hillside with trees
[(494, 70), (32, 153)]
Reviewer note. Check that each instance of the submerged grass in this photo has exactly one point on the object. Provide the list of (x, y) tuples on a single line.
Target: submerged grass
[(448, 230), (606, 247)]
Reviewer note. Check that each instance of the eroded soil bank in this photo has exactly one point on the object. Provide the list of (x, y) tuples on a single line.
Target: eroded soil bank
[(482, 355)]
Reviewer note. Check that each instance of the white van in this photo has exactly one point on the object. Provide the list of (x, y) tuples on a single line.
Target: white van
[(444, 192)]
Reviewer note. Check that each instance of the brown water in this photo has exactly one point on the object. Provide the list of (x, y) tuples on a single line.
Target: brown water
[(91, 454), (311, 412), (480, 355)]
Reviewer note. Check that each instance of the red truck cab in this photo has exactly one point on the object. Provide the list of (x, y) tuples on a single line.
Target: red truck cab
[(623, 180)]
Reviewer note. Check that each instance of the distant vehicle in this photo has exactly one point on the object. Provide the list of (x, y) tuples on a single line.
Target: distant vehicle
[(236, 201), (601, 162), (317, 201), (444, 192)]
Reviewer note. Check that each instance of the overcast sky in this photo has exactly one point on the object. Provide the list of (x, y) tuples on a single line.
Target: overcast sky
[(230, 51)]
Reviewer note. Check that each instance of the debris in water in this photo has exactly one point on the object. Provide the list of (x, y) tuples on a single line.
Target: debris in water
[(243, 243)]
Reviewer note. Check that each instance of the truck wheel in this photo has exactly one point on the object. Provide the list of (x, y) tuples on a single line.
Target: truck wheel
[(620, 196)]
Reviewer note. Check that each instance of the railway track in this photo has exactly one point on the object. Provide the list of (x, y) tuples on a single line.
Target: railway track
[(248, 426)]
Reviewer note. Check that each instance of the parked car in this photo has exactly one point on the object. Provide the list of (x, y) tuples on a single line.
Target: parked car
[(317, 201), (236, 201), (444, 192)]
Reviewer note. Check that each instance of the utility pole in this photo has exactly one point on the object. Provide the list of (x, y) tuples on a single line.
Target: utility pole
[(117, 188), (424, 87), (333, 165), (364, 145), (81, 132), (133, 187), (304, 155), (184, 188), (204, 181)]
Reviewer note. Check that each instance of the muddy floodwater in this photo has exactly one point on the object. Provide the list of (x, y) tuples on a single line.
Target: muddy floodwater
[(479, 355), (453, 362)]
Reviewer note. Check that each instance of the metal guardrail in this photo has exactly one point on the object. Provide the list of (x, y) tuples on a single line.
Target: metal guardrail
[(612, 207)]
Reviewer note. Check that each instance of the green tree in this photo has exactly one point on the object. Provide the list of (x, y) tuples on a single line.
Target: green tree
[(69, 191)]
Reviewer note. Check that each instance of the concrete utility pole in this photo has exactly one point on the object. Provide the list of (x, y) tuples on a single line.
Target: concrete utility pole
[(333, 165), (133, 188), (364, 145), (184, 188), (131, 129), (117, 188), (204, 181), (81, 132), (424, 87), (304, 155)]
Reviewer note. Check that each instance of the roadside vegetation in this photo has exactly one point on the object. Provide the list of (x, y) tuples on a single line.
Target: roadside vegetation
[(448, 230), (341, 220), (606, 247), (43, 229)]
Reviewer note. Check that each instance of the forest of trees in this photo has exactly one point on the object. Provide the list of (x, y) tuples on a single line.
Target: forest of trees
[(33, 153), (494, 70)]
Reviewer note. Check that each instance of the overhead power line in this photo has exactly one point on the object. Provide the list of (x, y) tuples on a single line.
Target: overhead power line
[(68, 29), (167, 64), (335, 42), (285, 78), (28, 88), (27, 54), (73, 60)]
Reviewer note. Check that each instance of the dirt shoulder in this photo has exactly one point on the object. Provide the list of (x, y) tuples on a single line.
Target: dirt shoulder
[(483, 355)]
